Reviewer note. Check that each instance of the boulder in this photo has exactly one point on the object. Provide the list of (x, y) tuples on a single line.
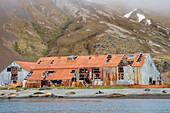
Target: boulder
[(99, 92), (19, 90), (115, 95), (70, 93), (11, 95), (45, 88), (147, 90), (2, 94), (48, 95), (36, 93), (32, 95), (163, 91)]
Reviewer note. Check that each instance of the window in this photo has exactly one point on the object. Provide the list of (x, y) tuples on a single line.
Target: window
[(131, 56), (52, 62), (72, 71), (139, 58), (108, 58), (39, 63), (9, 69), (150, 64)]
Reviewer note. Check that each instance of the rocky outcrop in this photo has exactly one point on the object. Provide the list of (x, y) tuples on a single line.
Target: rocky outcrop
[(114, 95), (70, 93)]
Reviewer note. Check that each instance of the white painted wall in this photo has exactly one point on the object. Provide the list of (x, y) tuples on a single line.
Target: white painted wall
[(149, 71), (5, 77)]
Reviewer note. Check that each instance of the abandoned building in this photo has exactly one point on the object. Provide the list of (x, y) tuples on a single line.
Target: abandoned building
[(15, 72), (104, 70)]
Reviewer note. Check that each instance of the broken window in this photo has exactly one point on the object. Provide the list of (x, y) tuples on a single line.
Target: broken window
[(52, 62), (139, 58), (108, 58), (121, 73), (71, 58), (72, 71), (150, 64), (131, 56), (9, 69), (39, 63)]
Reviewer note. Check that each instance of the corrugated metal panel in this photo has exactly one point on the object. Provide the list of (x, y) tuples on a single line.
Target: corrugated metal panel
[(62, 74)]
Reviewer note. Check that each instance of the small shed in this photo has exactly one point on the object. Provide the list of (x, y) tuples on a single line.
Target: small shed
[(15, 72)]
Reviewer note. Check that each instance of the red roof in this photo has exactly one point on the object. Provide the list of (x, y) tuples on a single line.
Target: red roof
[(62, 74), (26, 65), (37, 75), (79, 62)]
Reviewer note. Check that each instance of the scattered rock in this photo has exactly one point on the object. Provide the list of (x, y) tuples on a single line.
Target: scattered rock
[(70, 93), (2, 94), (36, 93), (48, 95), (11, 95), (147, 90), (163, 91), (115, 95), (45, 88), (32, 95), (99, 92), (19, 90)]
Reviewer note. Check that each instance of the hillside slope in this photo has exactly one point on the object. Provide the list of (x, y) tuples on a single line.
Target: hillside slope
[(37, 28)]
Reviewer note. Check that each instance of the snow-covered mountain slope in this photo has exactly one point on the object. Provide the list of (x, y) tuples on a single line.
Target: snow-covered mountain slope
[(138, 16)]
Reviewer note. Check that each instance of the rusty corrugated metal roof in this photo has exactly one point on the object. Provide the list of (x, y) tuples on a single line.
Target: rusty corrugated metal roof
[(61, 74), (26, 65), (37, 75), (79, 62)]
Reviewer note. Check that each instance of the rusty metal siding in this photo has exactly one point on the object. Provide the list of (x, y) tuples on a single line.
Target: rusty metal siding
[(109, 76)]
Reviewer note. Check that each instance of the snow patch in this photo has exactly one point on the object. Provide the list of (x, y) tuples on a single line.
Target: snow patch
[(156, 51), (48, 27), (129, 14), (148, 22), (140, 17), (89, 0), (88, 30), (153, 44)]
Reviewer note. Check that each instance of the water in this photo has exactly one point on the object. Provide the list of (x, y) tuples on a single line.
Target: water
[(85, 105)]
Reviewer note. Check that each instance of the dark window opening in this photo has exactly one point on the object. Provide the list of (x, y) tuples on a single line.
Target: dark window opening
[(108, 58), (139, 58), (96, 70), (51, 72), (154, 82), (151, 65), (9, 69), (97, 76), (82, 71), (150, 80), (81, 77), (39, 63), (130, 63), (72, 71), (14, 81), (52, 62)]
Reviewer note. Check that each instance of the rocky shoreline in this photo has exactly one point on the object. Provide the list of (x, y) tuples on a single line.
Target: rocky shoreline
[(162, 93)]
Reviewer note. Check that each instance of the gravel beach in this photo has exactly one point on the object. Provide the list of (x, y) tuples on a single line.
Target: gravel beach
[(162, 93)]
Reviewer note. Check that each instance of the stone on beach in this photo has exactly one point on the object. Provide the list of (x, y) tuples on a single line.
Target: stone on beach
[(48, 95), (99, 92), (70, 93), (11, 95), (115, 95)]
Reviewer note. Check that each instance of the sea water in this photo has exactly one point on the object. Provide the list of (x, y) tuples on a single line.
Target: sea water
[(85, 106)]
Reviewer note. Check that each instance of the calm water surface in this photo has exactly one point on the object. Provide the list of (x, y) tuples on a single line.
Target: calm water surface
[(85, 106)]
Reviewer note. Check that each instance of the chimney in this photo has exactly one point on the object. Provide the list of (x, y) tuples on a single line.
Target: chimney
[(59, 55), (97, 54)]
